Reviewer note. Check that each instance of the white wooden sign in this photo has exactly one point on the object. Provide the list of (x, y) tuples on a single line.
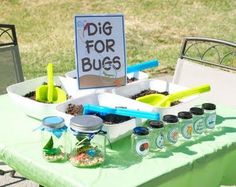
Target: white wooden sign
[(100, 50)]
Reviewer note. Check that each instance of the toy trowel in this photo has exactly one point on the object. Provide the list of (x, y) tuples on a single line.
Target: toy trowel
[(49, 93)]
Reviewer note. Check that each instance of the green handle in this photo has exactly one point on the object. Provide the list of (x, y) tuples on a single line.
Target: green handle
[(189, 92), (50, 82)]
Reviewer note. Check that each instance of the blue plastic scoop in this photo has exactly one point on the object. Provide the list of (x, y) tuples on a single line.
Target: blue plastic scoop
[(88, 109), (142, 66)]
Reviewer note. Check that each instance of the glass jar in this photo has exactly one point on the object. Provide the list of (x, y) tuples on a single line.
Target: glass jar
[(88, 141), (156, 131), (171, 129), (186, 124), (210, 115), (140, 141), (198, 120), (53, 137)]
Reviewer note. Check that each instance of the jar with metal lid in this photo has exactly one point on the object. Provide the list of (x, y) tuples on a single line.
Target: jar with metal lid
[(210, 115), (53, 139), (156, 131), (88, 141), (198, 120), (140, 141), (185, 124), (171, 129)]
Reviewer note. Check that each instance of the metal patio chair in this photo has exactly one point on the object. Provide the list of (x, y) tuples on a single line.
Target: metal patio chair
[(10, 64), (208, 61)]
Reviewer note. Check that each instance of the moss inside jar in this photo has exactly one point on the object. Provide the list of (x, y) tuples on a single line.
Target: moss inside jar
[(53, 134)]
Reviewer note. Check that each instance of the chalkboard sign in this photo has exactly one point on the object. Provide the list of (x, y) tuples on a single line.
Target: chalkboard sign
[(100, 50)]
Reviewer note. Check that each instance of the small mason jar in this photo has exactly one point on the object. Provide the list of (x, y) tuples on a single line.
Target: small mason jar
[(210, 115), (198, 120), (171, 129), (88, 141), (186, 124), (140, 141), (53, 139), (156, 130)]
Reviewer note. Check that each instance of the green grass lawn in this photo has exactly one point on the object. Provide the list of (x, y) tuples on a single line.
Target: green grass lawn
[(154, 28)]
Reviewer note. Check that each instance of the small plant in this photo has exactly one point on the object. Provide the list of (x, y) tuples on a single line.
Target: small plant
[(53, 154), (49, 150), (85, 154)]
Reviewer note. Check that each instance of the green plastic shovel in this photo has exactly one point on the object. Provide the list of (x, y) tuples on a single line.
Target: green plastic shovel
[(160, 100), (49, 93)]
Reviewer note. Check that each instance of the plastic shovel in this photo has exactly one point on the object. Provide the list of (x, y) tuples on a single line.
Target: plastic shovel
[(160, 100), (88, 109), (142, 66), (49, 93)]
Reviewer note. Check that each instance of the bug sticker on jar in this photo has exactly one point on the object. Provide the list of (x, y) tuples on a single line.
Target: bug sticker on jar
[(171, 129), (140, 141), (186, 124), (210, 115), (198, 120), (156, 129)]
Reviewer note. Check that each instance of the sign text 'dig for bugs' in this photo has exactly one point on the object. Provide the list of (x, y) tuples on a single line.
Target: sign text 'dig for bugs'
[(100, 51)]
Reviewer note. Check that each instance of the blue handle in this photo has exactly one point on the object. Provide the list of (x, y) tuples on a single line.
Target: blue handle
[(142, 66), (120, 111), (87, 109)]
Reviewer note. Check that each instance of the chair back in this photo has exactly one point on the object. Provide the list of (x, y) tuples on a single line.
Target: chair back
[(208, 61), (10, 63)]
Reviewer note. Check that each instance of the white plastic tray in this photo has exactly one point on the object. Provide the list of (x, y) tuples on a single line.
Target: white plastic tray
[(115, 131), (29, 106), (161, 86), (70, 84)]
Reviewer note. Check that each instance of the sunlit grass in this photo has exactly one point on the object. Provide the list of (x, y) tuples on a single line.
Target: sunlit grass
[(154, 28)]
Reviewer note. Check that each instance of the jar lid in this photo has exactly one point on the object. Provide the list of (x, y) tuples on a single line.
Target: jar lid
[(185, 115), (208, 106), (86, 123), (170, 119), (141, 131), (53, 122), (196, 111), (155, 124)]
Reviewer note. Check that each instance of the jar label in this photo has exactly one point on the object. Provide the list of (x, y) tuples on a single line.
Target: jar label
[(142, 147), (160, 141), (199, 126), (172, 135), (211, 121), (187, 130)]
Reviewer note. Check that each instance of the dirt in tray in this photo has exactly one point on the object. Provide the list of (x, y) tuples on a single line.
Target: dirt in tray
[(132, 79), (149, 91), (30, 95), (113, 118), (110, 119), (74, 109)]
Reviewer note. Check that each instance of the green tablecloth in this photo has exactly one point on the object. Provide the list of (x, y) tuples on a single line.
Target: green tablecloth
[(207, 161)]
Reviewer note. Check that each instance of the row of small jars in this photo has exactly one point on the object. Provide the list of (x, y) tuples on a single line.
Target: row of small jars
[(166, 132), (83, 143)]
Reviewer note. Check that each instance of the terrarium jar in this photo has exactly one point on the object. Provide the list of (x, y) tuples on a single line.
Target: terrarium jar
[(88, 141), (186, 124), (140, 141), (53, 139), (171, 129), (210, 115), (156, 130), (198, 120)]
